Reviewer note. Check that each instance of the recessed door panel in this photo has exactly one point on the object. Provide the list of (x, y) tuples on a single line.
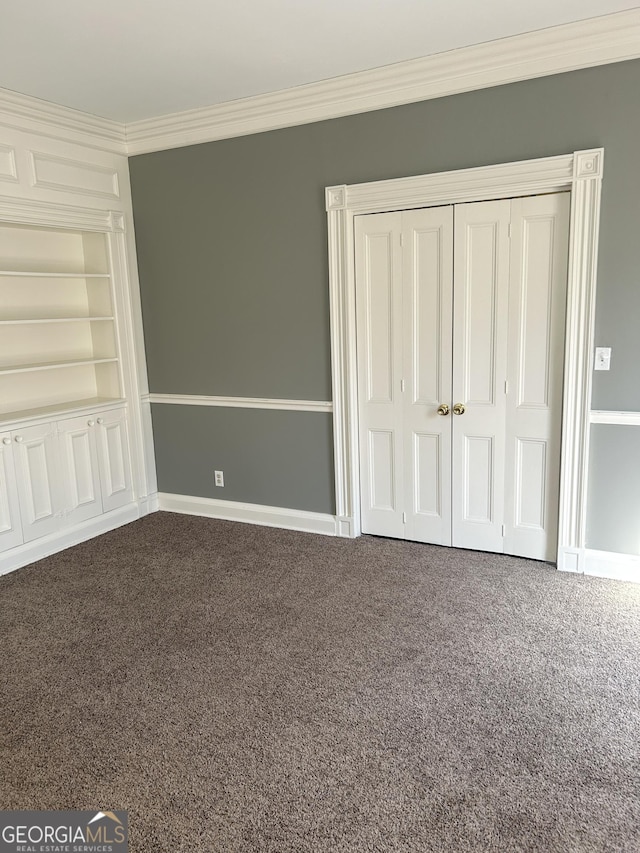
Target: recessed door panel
[(381, 463), (478, 485), (530, 492)]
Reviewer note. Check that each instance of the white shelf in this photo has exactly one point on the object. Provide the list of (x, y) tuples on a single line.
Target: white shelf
[(52, 365), (88, 404), (45, 274), (30, 321)]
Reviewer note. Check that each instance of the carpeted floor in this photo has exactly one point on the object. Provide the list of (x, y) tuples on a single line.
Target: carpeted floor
[(242, 689)]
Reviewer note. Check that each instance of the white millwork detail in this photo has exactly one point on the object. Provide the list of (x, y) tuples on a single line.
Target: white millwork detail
[(10, 523), (269, 516), (8, 168), (581, 174), (537, 306), (241, 402), (611, 38), (621, 418), (64, 173), (480, 322)]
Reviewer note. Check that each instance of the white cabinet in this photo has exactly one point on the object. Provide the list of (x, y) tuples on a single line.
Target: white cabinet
[(113, 452), (58, 339), (10, 527), (35, 450), (55, 475), (81, 473)]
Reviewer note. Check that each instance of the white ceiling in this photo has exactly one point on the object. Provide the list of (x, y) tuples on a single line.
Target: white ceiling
[(134, 59)]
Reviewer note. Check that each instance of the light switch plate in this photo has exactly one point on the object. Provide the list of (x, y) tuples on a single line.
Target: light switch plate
[(603, 358)]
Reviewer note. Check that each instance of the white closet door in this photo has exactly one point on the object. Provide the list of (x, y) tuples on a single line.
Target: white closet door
[(481, 293), (379, 331), (537, 307), (427, 241), (38, 480)]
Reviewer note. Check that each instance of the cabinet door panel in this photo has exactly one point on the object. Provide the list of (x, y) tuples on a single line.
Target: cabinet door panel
[(38, 480), (79, 455), (10, 527), (115, 467)]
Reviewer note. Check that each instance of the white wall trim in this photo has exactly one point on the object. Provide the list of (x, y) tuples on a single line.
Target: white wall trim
[(601, 564), (57, 122), (269, 516), (242, 402), (597, 41), (28, 212), (581, 173), (22, 555), (621, 418)]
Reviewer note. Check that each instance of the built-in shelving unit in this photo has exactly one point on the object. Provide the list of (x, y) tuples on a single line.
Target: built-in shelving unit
[(58, 335)]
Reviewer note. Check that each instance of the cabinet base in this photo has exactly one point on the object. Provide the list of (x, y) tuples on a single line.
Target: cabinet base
[(15, 558)]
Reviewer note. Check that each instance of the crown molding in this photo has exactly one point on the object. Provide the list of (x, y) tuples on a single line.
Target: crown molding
[(33, 115), (596, 41)]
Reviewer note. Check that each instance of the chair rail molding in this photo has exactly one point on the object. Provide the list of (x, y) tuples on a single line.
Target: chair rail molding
[(596, 41), (581, 174), (242, 402)]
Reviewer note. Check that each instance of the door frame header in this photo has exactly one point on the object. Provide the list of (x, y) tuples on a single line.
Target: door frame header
[(580, 173)]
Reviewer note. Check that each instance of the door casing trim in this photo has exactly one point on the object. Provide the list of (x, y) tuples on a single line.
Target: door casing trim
[(579, 173)]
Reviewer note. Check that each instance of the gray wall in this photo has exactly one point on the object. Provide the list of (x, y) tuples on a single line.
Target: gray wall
[(613, 521), (232, 247)]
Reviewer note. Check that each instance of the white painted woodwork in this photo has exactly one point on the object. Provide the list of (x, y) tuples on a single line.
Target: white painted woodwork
[(81, 472), (481, 294), (380, 329), (39, 480), (58, 340), (426, 349), (537, 306), (478, 320), (10, 524), (114, 459)]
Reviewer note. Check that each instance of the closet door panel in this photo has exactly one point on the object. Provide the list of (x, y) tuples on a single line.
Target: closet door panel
[(481, 291), (539, 251), (379, 345), (427, 240)]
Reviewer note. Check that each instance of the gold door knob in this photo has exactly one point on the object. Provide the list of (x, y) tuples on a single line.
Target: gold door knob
[(458, 409), (443, 409)]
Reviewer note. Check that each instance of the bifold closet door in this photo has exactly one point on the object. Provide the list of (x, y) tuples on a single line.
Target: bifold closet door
[(404, 264), (535, 363), (481, 316)]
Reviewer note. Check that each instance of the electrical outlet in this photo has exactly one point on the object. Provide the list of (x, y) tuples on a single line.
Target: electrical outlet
[(219, 478)]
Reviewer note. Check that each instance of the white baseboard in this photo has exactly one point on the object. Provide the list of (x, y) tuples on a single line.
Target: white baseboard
[(601, 564), (270, 516), (48, 545), (148, 504)]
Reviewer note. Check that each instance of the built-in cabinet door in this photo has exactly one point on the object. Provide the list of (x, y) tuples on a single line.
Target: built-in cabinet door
[(10, 526), (114, 459), (81, 472), (38, 478), (480, 322)]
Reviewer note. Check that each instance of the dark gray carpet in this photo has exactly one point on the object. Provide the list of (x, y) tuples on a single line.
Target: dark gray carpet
[(249, 689)]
